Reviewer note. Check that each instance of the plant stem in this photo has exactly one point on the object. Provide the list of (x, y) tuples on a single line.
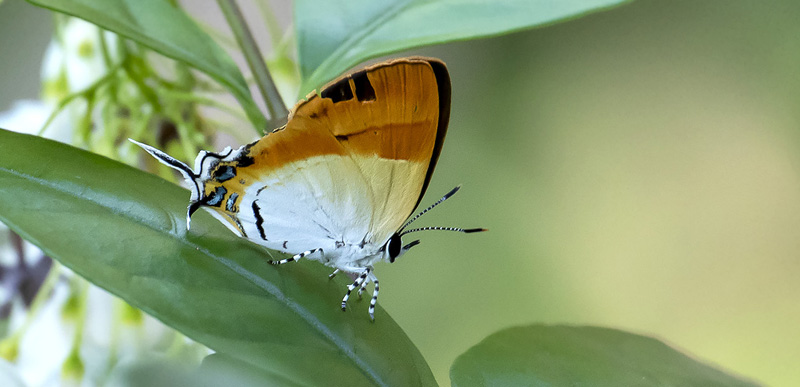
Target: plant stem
[(271, 21), (42, 295), (83, 93), (275, 108)]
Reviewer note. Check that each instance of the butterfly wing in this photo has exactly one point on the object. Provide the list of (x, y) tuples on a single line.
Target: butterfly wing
[(391, 120), (351, 164)]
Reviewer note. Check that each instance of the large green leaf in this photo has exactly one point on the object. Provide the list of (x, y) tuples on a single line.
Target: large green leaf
[(165, 29), (216, 370), (124, 230), (539, 355), (334, 35)]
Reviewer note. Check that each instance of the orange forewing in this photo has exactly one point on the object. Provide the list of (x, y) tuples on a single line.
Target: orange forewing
[(390, 110), (394, 110)]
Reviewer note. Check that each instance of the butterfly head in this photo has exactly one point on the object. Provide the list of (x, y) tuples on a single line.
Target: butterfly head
[(206, 180), (394, 247)]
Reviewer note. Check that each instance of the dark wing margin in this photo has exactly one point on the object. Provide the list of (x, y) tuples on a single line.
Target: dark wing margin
[(443, 84)]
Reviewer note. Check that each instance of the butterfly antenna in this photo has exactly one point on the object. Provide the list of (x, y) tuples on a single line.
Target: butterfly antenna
[(457, 229), (167, 160), (445, 197), (188, 175)]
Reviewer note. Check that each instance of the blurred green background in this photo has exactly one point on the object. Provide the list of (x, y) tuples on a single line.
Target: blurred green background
[(637, 169)]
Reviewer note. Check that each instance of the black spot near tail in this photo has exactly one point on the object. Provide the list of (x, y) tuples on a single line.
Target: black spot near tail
[(244, 159), (216, 197), (224, 173)]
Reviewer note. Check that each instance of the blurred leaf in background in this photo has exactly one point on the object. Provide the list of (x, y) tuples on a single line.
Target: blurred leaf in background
[(333, 36), (572, 356), (638, 168)]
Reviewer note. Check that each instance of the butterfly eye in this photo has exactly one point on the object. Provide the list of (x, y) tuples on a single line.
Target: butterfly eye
[(394, 247)]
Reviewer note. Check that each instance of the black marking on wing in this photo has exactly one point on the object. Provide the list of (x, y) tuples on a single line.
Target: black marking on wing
[(238, 224), (215, 155), (193, 207), (244, 159), (364, 90), (231, 204), (224, 173), (284, 244), (443, 84), (216, 197), (339, 91), (241, 228), (259, 220)]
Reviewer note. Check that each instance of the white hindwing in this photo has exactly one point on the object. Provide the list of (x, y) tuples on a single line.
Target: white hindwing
[(326, 202)]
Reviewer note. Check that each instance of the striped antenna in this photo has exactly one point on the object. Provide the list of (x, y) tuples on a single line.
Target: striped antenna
[(457, 229), (445, 197)]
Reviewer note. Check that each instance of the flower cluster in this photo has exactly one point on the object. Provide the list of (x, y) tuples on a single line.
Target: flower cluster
[(98, 90)]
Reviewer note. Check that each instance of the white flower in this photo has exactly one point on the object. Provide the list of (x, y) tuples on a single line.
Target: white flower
[(9, 377), (46, 343), (28, 116), (73, 62), (77, 55)]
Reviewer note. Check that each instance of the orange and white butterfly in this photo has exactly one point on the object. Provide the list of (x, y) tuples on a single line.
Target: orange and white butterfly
[(340, 180)]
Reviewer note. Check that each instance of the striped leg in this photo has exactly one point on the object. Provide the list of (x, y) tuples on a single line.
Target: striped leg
[(360, 280), (333, 274), (296, 257), (364, 286), (374, 299)]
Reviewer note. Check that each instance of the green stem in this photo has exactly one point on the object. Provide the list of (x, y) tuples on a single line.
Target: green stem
[(271, 22), (277, 111), (42, 295), (225, 127), (109, 63), (83, 93), (146, 91), (226, 40), (114, 340), (191, 97), (73, 368)]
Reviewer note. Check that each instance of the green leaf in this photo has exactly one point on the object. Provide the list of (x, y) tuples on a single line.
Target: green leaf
[(165, 29), (217, 370), (124, 230), (335, 35), (223, 369), (539, 355)]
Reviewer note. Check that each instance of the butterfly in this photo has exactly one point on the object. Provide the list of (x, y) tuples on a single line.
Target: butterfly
[(339, 182)]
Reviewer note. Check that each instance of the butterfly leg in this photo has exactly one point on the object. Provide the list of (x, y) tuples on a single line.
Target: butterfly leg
[(297, 256), (357, 283), (363, 286), (374, 299), (333, 274)]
